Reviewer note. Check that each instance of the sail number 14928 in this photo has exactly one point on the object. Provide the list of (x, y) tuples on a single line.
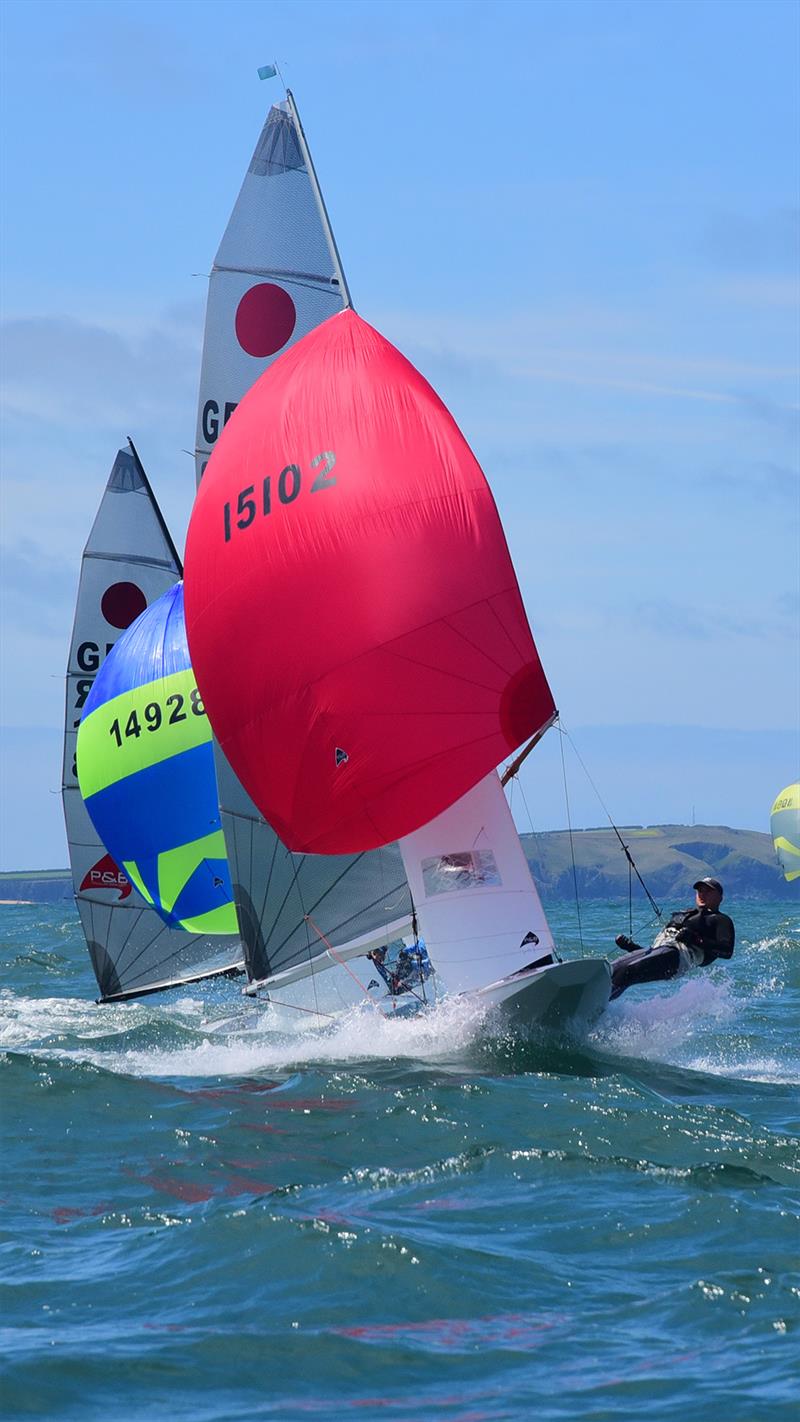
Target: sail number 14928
[(257, 501)]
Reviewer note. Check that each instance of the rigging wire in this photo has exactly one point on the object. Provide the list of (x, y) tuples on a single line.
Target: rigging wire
[(512, 777), (293, 1007), (306, 920), (417, 950), (630, 901), (341, 961), (532, 828), (628, 855), (569, 826)]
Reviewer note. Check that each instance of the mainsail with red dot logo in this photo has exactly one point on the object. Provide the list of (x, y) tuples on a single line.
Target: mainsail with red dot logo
[(276, 275)]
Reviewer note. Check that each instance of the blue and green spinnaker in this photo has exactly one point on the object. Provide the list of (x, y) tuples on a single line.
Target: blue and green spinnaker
[(146, 773)]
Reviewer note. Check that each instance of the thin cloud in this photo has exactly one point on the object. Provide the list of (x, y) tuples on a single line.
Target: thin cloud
[(783, 418), (745, 241), (36, 586), (59, 369), (780, 293), (97, 55), (590, 348), (671, 619)]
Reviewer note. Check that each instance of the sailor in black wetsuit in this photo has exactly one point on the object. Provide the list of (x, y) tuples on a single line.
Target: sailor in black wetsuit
[(693, 938)]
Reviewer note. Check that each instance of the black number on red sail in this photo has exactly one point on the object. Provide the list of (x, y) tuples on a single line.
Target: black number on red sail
[(288, 491), (245, 507), (322, 481)]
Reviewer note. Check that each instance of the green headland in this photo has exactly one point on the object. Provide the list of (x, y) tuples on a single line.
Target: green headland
[(669, 857)]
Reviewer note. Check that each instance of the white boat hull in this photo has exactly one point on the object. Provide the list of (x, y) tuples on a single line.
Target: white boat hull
[(562, 996)]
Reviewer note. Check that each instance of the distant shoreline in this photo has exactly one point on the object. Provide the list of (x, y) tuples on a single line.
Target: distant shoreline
[(669, 857)]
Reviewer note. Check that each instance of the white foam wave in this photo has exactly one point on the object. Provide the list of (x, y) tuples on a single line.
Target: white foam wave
[(255, 1040), (674, 1028), (666, 1021), (702, 1023), (762, 1069)]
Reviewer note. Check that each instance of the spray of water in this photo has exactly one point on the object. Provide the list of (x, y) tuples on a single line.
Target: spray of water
[(703, 1022), (181, 1040)]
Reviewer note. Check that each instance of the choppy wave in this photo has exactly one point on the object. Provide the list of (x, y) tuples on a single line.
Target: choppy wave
[(419, 1216)]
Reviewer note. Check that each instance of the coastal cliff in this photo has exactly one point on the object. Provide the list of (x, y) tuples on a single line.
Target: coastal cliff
[(669, 857)]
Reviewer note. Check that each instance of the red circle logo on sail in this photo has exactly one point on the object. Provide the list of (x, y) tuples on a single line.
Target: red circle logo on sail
[(122, 603), (265, 319)]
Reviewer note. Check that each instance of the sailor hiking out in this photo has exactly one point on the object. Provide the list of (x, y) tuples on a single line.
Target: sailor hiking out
[(693, 938)]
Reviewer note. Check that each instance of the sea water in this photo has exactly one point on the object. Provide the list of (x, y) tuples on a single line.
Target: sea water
[(208, 1218)]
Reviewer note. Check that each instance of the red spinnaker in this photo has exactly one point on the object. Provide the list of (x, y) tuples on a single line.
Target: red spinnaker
[(353, 616)]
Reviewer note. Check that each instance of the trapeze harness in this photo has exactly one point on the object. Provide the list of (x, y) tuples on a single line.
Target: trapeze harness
[(693, 938)]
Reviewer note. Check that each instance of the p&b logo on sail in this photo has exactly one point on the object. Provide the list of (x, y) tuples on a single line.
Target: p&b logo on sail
[(105, 874)]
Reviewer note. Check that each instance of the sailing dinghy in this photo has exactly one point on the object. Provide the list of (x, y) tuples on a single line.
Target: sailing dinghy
[(359, 638), (128, 563)]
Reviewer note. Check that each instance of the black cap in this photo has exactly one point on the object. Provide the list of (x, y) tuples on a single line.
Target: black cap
[(709, 884)]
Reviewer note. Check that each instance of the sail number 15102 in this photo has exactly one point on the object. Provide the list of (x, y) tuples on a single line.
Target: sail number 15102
[(258, 500)]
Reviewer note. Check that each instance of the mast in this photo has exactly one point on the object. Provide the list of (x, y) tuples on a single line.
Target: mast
[(162, 523), (323, 211)]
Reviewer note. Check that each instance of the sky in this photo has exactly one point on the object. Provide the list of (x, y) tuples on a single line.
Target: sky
[(579, 220)]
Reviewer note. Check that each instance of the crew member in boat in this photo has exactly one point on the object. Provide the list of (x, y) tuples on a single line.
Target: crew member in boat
[(693, 938), (406, 971)]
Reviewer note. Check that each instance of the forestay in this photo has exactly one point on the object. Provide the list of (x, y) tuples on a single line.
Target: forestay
[(128, 562)]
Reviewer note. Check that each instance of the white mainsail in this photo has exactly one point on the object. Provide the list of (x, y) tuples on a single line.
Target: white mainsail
[(128, 562)]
